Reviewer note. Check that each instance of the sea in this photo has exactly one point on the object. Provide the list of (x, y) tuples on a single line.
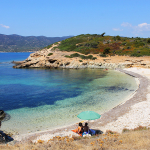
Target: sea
[(43, 99)]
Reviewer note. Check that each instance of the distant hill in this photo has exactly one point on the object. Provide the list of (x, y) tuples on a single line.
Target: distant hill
[(17, 43)]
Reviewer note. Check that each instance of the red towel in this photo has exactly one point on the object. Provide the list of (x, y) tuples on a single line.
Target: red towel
[(76, 132)]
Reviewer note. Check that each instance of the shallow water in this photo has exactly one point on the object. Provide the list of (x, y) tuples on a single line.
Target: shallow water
[(40, 99)]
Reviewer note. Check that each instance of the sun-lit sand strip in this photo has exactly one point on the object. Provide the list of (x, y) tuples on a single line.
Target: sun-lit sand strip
[(139, 114), (131, 114)]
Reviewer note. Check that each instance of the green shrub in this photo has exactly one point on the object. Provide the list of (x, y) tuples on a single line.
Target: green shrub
[(49, 46), (125, 130), (75, 55), (86, 57), (123, 43), (136, 54), (118, 37), (138, 44), (94, 58), (80, 61), (91, 44), (128, 47), (106, 50), (56, 43), (89, 57), (81, 56), (50, 54), (68, 56), (148, 40), (103, 55), (54, 48)]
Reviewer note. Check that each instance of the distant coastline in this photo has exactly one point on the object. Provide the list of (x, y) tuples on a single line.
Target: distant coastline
[(17, 43)]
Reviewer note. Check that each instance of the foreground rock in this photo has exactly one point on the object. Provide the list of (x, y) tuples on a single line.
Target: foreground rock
[(54, 58), (2, 115)]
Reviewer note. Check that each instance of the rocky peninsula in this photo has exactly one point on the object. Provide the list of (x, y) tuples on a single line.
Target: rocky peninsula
[(54, 58)]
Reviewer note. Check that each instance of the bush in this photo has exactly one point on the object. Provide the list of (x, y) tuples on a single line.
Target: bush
[(89, 57), (123, 43), (106, 50), (86, 57), (81, 56), (103, 55), (128, 47), (91, 44), (136, 54), (75, 55), (94, 58), (125, 130), (49, 46), (54, 48), (148, 40), (68, 56), (118, 37), (138, 44), (50, 54)]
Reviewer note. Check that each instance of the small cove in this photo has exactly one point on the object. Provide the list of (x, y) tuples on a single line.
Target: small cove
[(41, 99)]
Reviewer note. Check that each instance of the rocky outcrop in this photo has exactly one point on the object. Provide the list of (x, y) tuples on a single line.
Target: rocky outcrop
[(2, 115), (53, 58)]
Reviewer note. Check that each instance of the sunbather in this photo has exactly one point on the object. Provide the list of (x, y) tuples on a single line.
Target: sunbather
[(86, 128), (80, 128)]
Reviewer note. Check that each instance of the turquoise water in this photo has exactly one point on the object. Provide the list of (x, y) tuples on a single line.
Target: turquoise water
[(42, 99)]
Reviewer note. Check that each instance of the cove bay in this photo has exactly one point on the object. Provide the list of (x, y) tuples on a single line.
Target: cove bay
[(43, 99)]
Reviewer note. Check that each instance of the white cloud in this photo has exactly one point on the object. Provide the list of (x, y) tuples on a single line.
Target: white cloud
[(117, 29), (4, 26), (126, 24), (143, 27), (139, 29)]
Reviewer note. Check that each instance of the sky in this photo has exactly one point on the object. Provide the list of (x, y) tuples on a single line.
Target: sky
[(57, 18)]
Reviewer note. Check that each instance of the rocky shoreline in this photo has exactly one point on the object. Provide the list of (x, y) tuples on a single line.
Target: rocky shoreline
[(54, 58)]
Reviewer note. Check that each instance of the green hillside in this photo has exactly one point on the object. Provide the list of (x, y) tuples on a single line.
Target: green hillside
[(104, 45)]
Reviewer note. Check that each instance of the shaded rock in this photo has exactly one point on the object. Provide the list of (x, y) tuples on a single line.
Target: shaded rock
[(2, 115)]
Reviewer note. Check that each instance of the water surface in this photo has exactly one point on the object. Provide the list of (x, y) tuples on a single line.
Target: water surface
[(41, 99)]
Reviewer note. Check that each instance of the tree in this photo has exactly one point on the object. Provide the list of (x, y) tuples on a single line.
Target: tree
[(102, 34)]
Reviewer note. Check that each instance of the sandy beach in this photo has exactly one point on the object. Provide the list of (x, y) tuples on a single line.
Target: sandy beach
[(131, 114)]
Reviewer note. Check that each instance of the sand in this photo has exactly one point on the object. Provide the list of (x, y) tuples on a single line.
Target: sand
[(130, 114), (139, 115)]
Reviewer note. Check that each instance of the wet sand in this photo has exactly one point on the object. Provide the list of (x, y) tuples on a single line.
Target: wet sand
[(130, 114)]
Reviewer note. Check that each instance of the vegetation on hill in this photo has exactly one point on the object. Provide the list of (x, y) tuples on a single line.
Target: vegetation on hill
[(104, 45), (17, 43), (81, 56)]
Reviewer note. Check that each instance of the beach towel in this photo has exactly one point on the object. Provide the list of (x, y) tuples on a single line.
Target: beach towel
[(92, 132), (76, 132)]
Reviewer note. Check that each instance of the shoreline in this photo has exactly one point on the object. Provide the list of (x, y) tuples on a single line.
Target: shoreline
[(124, 108), (107, 119)]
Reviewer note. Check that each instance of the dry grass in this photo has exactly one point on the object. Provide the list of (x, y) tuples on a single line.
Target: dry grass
[(138, 138)]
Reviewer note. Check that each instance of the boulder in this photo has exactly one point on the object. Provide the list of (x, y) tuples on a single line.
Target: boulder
[(2, 115)]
